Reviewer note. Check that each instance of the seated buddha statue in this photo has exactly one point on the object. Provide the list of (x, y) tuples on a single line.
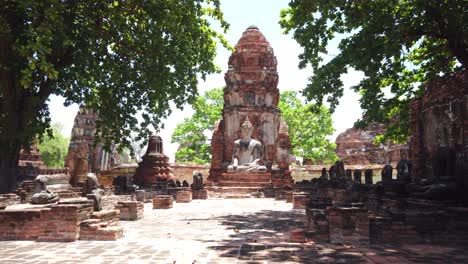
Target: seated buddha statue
[(248, 152)]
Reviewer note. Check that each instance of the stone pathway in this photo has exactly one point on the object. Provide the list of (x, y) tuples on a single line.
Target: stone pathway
[(220, 231)]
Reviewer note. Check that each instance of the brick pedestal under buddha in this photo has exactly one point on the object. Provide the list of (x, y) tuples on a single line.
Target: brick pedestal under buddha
[(245, 179), (184, 196), (289, 196), (162, 201), (348, 225), (130, 210), (300, 200), (199, 194)]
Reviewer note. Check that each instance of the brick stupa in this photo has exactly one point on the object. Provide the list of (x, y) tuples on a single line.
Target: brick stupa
[(154, 166), (251, 93)]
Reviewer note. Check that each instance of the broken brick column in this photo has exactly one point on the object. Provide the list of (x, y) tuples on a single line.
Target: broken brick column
[(348, 225)]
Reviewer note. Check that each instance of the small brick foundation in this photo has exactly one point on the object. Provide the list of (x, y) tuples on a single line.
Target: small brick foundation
[(57, 223), (200, 194), (184, 196), (300, 200), (130, 210), (162, 202), (348, 225), (289, 196), (103, 226)]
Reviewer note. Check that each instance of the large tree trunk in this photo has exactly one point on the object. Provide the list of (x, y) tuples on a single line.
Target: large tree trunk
[(10, 128), (9, 157)]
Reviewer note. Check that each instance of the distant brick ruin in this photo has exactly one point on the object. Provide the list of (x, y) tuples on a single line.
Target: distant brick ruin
[(30, 165), (439, 129), (84, 155), (356, 147), (251, 93)]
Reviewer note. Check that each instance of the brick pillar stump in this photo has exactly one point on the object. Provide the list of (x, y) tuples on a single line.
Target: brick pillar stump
[(184, 196), (348, 225), (298, 236), (200, 194), (130, 210), (300, 200), (162, 201), (289, 196)]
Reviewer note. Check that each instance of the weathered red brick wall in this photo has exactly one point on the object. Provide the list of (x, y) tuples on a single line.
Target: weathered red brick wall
[(56, 223), (181, 172), (439, 118)]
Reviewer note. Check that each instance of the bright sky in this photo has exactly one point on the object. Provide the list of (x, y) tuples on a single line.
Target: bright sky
[(241, 14)]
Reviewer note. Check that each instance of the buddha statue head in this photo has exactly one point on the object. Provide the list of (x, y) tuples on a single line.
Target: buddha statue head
[(246, 128)]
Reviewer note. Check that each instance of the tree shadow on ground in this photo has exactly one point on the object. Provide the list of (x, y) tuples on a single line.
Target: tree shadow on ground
[(265, 235)]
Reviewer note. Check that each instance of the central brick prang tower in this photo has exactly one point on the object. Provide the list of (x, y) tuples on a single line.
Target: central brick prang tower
[(251, 92)]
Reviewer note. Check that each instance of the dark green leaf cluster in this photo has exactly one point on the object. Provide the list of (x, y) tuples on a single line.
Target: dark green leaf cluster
[(121, 58), (399, 45)]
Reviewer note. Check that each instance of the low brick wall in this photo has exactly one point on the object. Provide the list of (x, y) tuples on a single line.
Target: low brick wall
[(108, 202), (308, 172), (348, 225), (181, 172), (54, 223), (185, 171)]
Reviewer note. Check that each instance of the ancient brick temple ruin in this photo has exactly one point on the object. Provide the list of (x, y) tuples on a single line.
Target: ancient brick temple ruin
[(251, 93), (356, 147), (30, 165), (439, 129), (84, 155)]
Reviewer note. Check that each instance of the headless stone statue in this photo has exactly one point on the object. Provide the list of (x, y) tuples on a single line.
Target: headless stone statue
[(387, 173), (357, 175), (339, 169), (368, 176), (93, 191), (324, 174), (404, 170), (185, 183), (248, 152), (331, 172), (41, 194), (197, 181)]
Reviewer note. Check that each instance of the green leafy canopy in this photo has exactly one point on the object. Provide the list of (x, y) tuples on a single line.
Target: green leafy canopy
[(309, 127), (191, 134), (54, 147), (399, 46), (118, 57)]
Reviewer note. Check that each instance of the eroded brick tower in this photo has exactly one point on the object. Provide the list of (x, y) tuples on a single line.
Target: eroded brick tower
[(251, 91)]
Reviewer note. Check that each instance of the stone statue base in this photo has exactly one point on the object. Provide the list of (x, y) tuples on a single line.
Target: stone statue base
[(245, 180)]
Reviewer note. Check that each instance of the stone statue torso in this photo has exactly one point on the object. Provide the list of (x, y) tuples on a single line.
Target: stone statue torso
[(247, 152)]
